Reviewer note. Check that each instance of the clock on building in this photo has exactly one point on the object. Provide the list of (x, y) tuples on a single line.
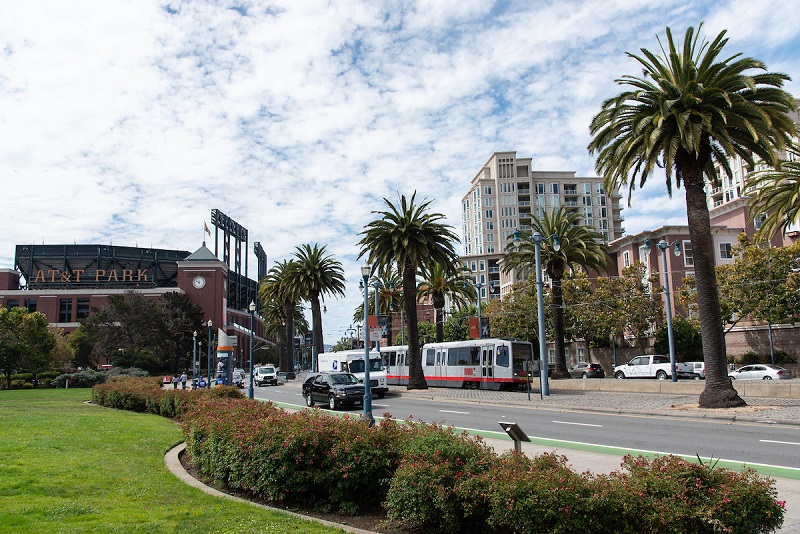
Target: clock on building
[(199, 282)]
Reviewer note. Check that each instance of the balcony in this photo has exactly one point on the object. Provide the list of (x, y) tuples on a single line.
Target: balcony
[(523, 191), (572, 191), (525, 227), (524, 203), (570, 203)]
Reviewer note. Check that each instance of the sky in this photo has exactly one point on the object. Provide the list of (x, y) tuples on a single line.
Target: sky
[(127, 122)]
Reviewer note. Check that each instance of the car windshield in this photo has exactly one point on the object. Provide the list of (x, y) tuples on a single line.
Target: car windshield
[(342, 380)]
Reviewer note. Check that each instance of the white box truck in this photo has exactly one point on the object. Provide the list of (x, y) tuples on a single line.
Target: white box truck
[(352, 361)]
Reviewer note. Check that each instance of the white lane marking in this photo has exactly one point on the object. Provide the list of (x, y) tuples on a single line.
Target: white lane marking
[(578, 424), (452, 411), (781, 442)]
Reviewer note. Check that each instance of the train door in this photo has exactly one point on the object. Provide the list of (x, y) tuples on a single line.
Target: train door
[(441, 366), (487, 366)]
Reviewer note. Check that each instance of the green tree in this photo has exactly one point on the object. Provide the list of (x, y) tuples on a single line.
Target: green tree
[(777, 195), (685, 337), (25, 342), (580, 246), (279, 298), (440, 281), (687, 112), (412, 239), (314, 275), (82, 341), (63, 353), (515, 316)]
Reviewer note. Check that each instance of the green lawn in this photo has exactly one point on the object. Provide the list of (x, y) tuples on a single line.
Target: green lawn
[(66, 466)]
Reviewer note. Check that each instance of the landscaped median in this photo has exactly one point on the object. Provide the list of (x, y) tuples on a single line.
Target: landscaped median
[(429, 478)]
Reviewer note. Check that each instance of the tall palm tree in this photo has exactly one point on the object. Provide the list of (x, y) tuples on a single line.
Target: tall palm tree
[(580, 246), (314, 275), (277, 288), (442, 281), (777, 195), (408, 236), (688, 111)]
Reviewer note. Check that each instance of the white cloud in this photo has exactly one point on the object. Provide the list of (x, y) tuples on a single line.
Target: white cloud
[(129, 121)]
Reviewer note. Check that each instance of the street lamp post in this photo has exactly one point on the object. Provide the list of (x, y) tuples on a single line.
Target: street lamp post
[(194, 359), (252, 309), (377, 286), (544, 363), (663, 246), (365, 270), (210, 324)]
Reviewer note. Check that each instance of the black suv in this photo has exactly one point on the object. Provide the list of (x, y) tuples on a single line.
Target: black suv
[(333, 389)]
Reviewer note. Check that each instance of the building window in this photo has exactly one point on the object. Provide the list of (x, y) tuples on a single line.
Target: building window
[(65, 311), (482, 266), (554, 188), (759, 220), (490, 249), (579, 354), (473, 266), (487, 190), (540, 189), (626, 258), (490, 225), (487, 202), (82, 311), (489, 214), (688, 254), (551, 356), (30, 304), (12, 303), (555, 200), (725, 251)]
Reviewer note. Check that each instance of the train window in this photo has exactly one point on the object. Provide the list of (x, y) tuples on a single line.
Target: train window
[(458, 356), (475, 356), (502, 356), (429, 357)]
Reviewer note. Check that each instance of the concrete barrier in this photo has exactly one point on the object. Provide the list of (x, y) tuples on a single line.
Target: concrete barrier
[(750, 388)]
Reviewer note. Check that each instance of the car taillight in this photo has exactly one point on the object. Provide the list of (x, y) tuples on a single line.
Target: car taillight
[(779, 373)]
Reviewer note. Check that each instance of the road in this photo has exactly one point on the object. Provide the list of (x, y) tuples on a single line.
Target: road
[(773, 449)]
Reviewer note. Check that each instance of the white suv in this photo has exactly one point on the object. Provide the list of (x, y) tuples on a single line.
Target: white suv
[(265, 375)]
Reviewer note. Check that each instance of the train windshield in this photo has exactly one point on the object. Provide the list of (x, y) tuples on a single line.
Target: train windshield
[(357, 366), (521, 353)]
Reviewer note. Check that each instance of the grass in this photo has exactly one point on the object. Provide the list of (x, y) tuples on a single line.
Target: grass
[(69, 467)]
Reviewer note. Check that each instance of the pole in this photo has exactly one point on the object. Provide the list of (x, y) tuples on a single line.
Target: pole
[(544, 365), (194, 359), (210, 324), (479, 286), (377, 315), (365, 270), (252, 306), (663, 245)]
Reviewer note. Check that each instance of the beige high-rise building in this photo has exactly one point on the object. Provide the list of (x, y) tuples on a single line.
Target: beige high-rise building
[(506, 194)]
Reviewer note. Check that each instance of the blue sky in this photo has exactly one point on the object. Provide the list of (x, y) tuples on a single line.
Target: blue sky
[(128, 121)]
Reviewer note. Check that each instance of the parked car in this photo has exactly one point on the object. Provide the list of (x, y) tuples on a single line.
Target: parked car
[(652, 366), (699, 370), (333, 389), (587, 370), (265, 375), (240, 370), (760, 371), (237, 379)]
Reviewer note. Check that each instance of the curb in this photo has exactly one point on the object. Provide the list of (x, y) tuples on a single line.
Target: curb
[(173, 462)]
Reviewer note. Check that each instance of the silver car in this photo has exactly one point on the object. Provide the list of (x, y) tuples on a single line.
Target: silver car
[(759, 371)]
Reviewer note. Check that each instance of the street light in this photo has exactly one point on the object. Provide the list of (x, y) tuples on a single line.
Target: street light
[(663, 246), (210, 324), (544, 364), (365, 270), (194, 359), (377, 286), (252, 309)]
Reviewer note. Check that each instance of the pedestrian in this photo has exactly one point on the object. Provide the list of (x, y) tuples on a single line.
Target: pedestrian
[(175, 379), (202, 382), (183, 380)]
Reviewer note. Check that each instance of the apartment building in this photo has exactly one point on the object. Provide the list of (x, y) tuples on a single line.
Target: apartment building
[(506, 194)]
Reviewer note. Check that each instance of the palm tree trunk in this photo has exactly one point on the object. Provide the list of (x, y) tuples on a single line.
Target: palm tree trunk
[(316, 317), (288, 337), (438, 305), (718, 392), (558, 330), (416, 378)]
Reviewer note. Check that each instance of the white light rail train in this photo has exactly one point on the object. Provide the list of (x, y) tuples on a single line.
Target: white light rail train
[(495, 364)]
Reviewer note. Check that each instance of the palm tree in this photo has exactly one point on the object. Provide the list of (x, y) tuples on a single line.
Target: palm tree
[(408, 236), (580, 246), (440, 281), (315, 275), (777, 195), (277, 288), (685, 113)]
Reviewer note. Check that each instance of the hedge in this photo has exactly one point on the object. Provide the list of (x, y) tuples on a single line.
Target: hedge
[(429, 478)]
